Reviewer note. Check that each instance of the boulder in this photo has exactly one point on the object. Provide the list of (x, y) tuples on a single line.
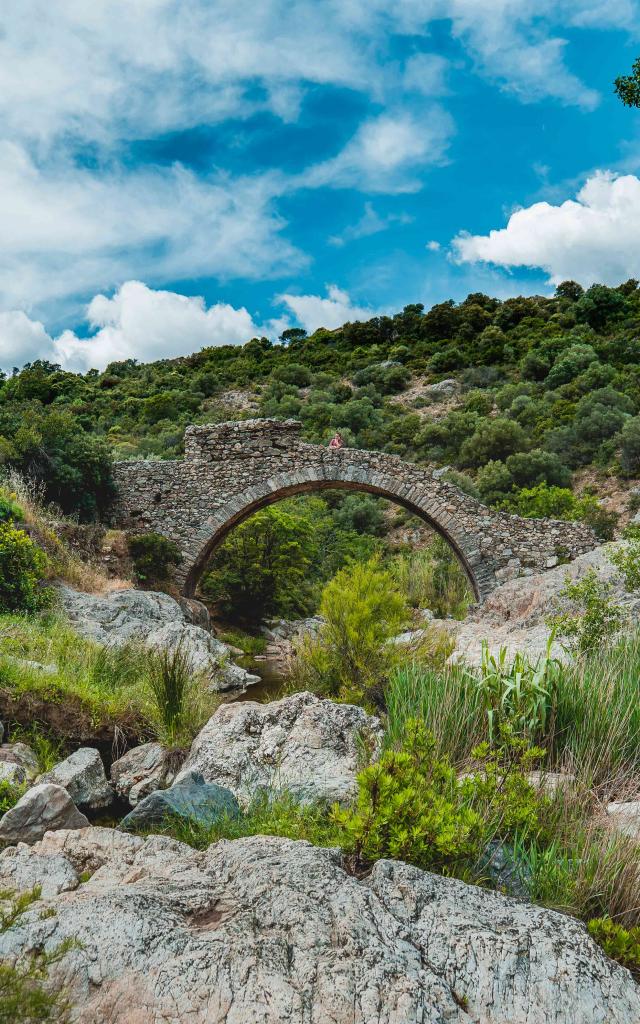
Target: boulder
[(142, 770), (158, 622), (43, 808), (192, 800), (264, 930), (300, 744), (515, 614), (82, 775), (18, 763)]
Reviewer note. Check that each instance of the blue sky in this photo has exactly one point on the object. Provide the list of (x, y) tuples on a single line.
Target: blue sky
[(180, 173)]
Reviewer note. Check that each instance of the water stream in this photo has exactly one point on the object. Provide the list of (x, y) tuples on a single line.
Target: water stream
[(272, 676)]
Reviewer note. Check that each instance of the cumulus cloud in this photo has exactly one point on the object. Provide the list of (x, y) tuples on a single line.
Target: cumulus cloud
[(313, 311), (137, 322), (385, 151), (593, 237)]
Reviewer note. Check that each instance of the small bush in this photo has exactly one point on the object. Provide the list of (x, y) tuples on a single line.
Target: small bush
[(597, 617), (153, 555), (351, 657), (619, 943), (23, 567), (408, 808), (10, 793)]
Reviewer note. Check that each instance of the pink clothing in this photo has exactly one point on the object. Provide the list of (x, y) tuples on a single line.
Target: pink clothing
[(336, 442)]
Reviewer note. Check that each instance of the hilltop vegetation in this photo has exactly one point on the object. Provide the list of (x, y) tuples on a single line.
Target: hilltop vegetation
[(545, 387)]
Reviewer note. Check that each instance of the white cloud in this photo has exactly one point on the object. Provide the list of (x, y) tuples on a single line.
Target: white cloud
[(370, 223), (69, 230), (433, 246), (135, 323), (22, 340), (593, 237), (385, 151), (426, 73), (313, 311)]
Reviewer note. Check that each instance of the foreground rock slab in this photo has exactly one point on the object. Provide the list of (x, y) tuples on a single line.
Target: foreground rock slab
[(269, 931), (301, 744), (42, 808), (82, 775)]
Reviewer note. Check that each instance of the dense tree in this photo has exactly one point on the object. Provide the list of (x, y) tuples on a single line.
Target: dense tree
[(627, 87)]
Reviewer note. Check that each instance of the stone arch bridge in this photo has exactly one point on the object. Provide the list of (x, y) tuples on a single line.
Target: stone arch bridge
[(230, 470)]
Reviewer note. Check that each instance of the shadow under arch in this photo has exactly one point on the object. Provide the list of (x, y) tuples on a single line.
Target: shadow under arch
[(242, 507)]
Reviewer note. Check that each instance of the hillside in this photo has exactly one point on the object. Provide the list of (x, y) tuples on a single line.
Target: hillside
[(540, 392)]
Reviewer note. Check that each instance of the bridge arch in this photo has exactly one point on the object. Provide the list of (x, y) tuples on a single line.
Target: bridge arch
[(287, 485), (231, 470)]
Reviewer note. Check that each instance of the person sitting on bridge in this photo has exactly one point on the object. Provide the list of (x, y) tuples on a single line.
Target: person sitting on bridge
[(336, 441)]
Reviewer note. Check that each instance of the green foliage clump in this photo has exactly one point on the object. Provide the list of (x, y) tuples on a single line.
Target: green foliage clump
[(25, 996), (545, 502), (350, 657), (23, 567), (153, 555), (412, 806), (627, 87), (518, 694), (619, 943), (10, 793), (181, 704), (409, 808), (597, 618)]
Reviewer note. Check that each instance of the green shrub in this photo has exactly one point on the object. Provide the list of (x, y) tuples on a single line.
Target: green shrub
[(517, 693), (23, 567), (619, 943), (10, 793), (550, 502), (627, 562), (411, 805), (350, 657), (153, 555), (408, 808), (597, 617), (10, 510)]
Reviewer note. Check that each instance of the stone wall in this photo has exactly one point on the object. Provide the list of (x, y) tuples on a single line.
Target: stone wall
[(232, 469)]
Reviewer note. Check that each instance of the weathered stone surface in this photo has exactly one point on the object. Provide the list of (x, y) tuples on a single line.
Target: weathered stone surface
[(268, 931), (191, 799), (514, 615), (301, 744), (142, 770), (158, 622), (42, 808), (625, 817), (82, 775), (232, 469), (18, 763), (21, 870)]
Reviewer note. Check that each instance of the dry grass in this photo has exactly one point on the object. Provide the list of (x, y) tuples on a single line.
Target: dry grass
[(42, 522)]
